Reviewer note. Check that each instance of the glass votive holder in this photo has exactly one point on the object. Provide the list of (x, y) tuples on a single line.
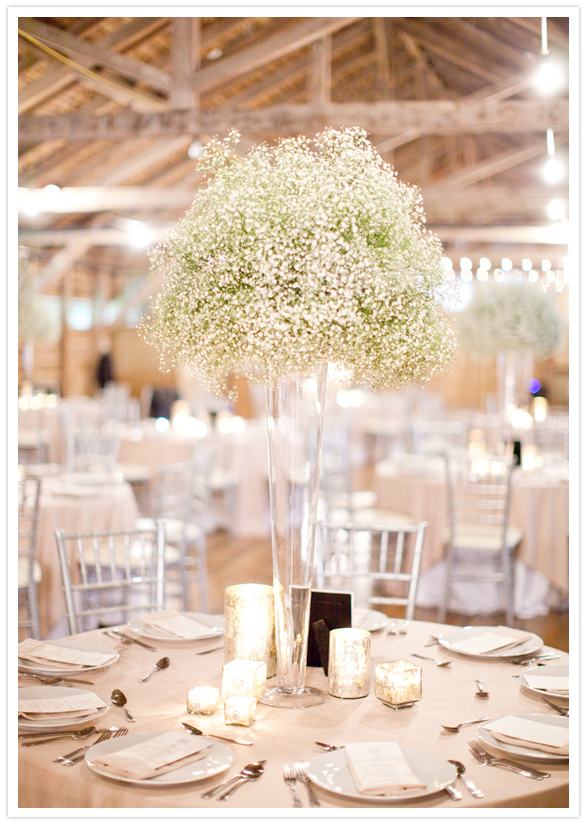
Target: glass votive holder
[(348, 662), (249, 624), (398, 684), (244, 677), (203, 700), (239, 710)]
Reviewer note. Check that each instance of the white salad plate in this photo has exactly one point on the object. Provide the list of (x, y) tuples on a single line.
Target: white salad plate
[(48, 725), (370, 620), (218, 759), (526, 752), (330, 772), (546, 671), (453, 635), (55, 669), (215, 623)]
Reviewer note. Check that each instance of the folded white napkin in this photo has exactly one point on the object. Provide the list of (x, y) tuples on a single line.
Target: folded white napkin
[(554, 684), (527, 733), (175, 624), (75, 706), (154, 757), (67, 658), (380, 768), (500, 638)]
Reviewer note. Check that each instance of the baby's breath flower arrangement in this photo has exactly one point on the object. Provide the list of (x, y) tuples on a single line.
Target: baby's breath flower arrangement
[(509, 318), (307, 252)]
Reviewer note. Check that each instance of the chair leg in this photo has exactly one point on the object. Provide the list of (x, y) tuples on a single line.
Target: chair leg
[(445, 598), (509, 588)]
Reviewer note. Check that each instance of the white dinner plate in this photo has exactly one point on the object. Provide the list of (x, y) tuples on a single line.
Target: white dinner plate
[(72, 644), (330, 772), (448, 637), (139, 627), (526, 753), (53, 692), (547, 670), (219, 759), (370, 620)]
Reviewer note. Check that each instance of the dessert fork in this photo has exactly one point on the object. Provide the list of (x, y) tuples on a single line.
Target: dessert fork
[(289, 778), (481, 755), (301, 773)]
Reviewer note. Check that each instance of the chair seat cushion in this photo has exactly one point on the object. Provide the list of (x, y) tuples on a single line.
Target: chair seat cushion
[(23, 572), (358, 500), (486, 537), (173, 528), (371, 515)]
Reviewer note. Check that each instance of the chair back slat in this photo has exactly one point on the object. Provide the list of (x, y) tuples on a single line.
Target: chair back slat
[(369, 558)]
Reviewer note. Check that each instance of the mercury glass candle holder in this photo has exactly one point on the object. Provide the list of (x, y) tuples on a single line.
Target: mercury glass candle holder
[(398, 684), (239, 710), (244, 677), (348, 663), (249, 624), (203, 700)]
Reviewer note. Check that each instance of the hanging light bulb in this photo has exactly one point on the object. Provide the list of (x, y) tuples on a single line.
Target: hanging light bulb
[(555, 209), (195, 149)]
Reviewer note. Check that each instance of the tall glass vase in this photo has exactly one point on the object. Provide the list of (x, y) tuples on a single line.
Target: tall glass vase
[(514, 371), (295, 410)]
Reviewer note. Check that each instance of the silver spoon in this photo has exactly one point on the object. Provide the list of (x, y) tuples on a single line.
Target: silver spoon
[(482, 694), (473, 789), (456, 728), (253, 770), (437, 662), (118, 698), (329, 747), (160, 665), (84, 733), (199, 732)]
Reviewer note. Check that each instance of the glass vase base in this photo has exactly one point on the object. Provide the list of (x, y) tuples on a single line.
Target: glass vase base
[(301, 697)]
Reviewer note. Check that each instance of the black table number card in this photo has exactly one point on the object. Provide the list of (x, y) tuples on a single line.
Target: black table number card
[(328, 610)]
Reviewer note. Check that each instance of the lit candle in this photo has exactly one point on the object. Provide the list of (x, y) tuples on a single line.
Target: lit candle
[(540, 408), (348, 663), (398, 684), (239, 710), (244, 677), (528, 456), (249, 624), (203, 700)]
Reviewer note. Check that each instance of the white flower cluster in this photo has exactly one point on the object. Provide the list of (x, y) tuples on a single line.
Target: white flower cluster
[(509, 318), (306, 252)]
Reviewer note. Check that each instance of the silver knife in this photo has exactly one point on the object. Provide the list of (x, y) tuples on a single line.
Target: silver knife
[(453, 793)]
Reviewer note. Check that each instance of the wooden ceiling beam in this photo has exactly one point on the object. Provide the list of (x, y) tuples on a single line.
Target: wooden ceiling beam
[(56, 79), (493, 165), (442, 202), (388, 117), (271, 48), (186, 45), (79, 48), (109, 236), (320, 71)]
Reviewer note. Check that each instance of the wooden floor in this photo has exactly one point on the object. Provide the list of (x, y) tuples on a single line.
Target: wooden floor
[(238, 561)]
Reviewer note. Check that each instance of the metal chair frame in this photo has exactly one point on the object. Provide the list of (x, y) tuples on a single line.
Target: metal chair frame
[(394, 555), (100, 570), (29, 494), (479, 529)]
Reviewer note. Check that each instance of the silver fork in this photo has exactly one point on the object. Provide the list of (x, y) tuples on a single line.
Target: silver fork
[(481, 755), (301, 773), (76, 759), (289, 778), (69, 757)]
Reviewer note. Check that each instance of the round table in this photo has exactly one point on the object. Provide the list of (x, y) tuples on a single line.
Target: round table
[(283, 736)]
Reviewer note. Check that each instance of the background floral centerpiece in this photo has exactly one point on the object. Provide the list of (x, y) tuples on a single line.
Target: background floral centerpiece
[(517, 322), (309, 251)]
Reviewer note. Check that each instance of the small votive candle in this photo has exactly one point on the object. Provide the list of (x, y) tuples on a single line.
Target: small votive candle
[(348, 662), (249, 624), (244, 677), (239, 710), (203, 700), (398, 684)]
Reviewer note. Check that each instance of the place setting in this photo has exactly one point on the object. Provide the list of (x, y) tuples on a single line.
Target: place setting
[(63, 657), (534, 737), (548, 682), (47, 708), (486, 642), (174, 626)]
